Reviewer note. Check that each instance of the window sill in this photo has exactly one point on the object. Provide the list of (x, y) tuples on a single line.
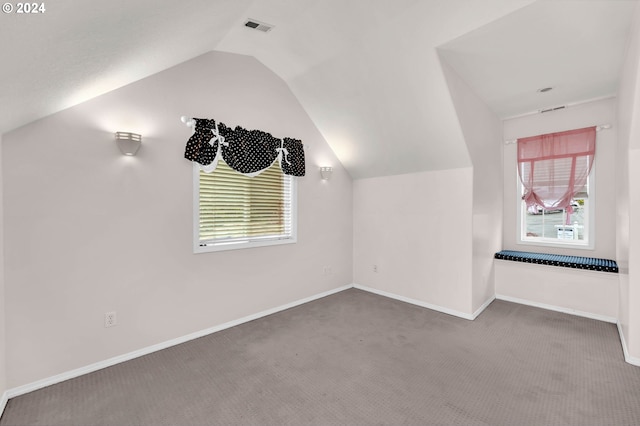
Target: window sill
[(553, 243), (239, 245)]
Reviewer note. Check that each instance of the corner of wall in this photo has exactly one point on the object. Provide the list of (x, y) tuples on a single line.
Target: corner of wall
[(482, 132), (3, 367), (627, 201), (419, 257)]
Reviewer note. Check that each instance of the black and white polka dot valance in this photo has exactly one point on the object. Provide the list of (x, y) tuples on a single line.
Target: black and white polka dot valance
[(248, 152)]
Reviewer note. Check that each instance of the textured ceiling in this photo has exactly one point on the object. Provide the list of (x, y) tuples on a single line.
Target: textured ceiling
[(368, 72)]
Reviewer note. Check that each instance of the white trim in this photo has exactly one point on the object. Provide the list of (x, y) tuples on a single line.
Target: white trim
[(484, 306), (195, 209), (589, 227), (419, 302), (250, 242), (3, 402), (627, 357), (30, 387), (557, 308)]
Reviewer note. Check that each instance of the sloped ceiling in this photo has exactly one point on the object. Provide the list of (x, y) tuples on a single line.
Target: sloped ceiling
[(367, 71), (77, 49), (575, 47)]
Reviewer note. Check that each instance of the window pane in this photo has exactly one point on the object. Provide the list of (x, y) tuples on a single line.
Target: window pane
[(233, 207), (558, 225)]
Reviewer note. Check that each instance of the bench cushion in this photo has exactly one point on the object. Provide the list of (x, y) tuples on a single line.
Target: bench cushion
[(577, 262)]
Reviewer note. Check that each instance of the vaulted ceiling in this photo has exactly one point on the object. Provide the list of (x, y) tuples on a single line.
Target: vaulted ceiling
[(368, 72)]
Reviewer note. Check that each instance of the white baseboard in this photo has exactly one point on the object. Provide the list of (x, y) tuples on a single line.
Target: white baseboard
[(420, 303), (627, 357), (557, 308), (484, 306), (3, 402), (30, 387)]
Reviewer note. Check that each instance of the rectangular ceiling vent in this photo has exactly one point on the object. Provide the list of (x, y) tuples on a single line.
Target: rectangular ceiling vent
[(552, 109), (257, 25)]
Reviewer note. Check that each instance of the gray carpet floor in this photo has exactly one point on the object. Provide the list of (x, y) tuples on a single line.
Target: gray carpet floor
[(355, 358)]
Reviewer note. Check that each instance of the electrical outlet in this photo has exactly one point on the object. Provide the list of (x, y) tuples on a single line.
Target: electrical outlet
[(375, 268), (327, 270), (110, 319)]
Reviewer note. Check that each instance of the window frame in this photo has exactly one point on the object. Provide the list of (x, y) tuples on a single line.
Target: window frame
[(250, 242), (554, 242)]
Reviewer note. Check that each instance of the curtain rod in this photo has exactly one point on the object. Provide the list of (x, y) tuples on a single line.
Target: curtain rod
[(598, 128)]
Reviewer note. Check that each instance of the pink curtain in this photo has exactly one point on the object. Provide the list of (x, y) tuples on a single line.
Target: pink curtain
[(555, 166)]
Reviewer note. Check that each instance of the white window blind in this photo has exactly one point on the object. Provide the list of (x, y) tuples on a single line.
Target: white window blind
[(236, 211)]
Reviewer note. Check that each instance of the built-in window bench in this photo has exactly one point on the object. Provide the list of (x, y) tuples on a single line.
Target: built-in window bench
[(578, 285)]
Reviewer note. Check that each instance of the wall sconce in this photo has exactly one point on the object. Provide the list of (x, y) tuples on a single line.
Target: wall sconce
[(325, 172), (129, 143)]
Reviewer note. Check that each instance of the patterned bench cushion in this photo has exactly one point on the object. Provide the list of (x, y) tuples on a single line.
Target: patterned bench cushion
[(577, 262)]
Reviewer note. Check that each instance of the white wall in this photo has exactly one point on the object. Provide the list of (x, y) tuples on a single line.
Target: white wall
[(579, 116), (416, 228), (627, 188), (631, 298), (585, 293), (88, 230), (3, 350), (433, 234), (482, 132), (589, 294)]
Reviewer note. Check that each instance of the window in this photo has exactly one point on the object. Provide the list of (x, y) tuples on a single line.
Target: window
[(556, 188), (233, 211), (554, 171), (559, 227)]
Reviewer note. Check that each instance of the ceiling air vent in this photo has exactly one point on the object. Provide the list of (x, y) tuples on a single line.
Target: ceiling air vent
[(552, 109), (257, 25)]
